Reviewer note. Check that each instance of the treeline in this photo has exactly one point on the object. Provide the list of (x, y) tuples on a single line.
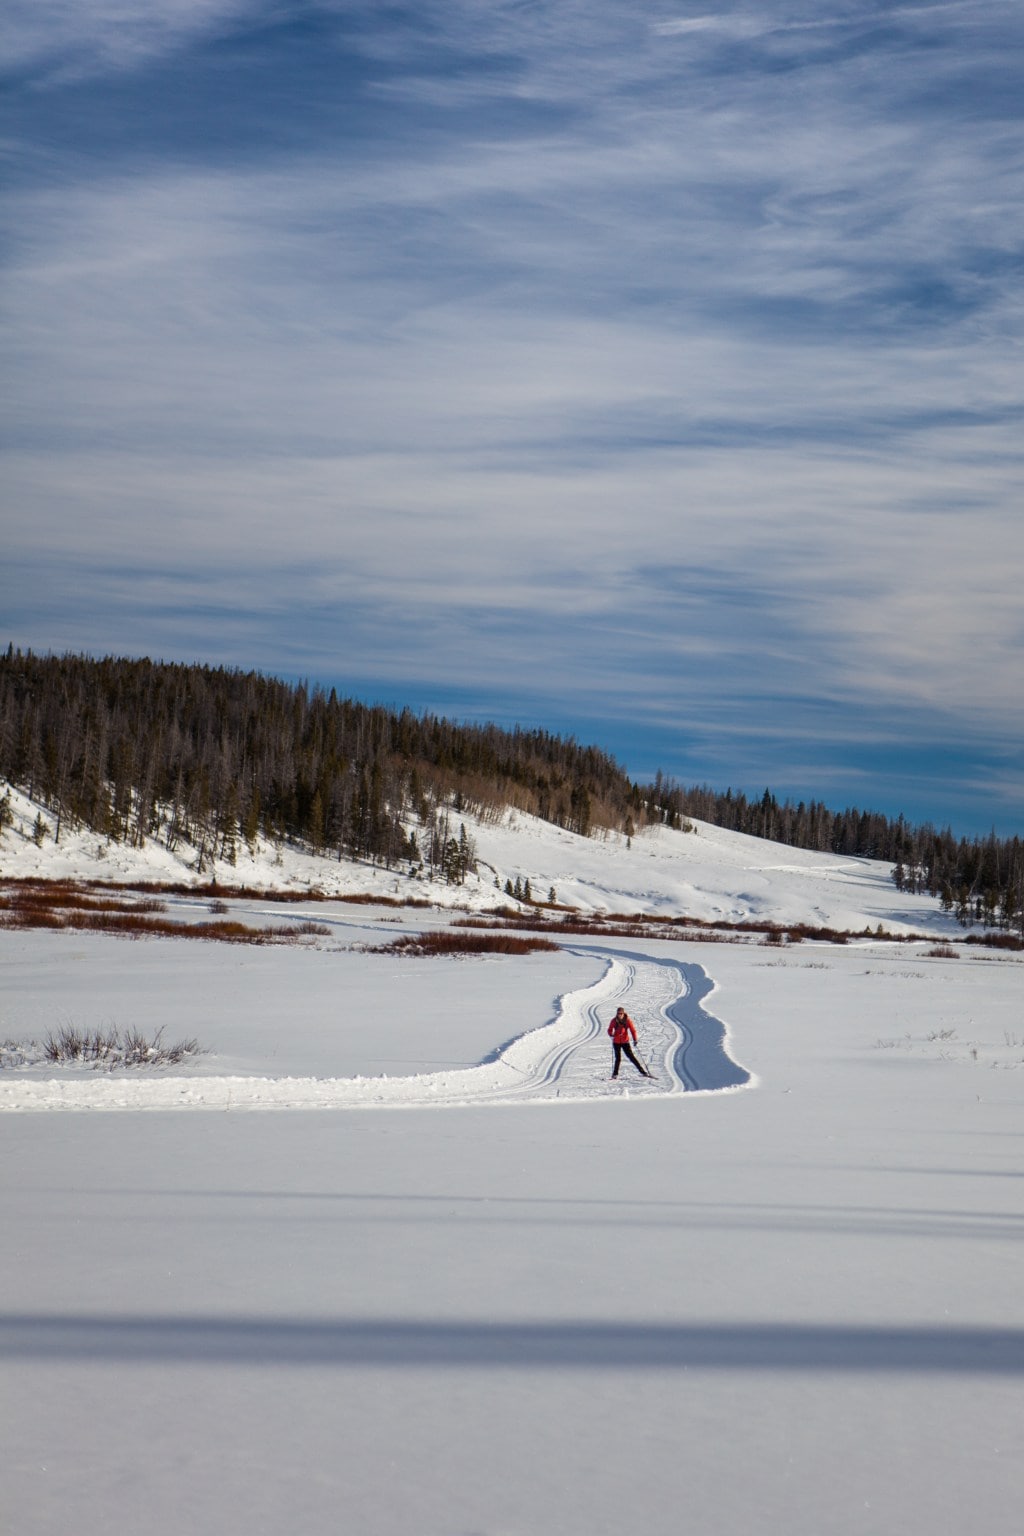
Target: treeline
[(215, 758), (980, 879)]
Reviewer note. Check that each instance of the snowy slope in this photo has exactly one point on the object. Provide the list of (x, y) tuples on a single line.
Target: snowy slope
[(708, 873)]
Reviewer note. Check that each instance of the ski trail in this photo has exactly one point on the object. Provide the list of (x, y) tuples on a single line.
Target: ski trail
[(568, 1060)]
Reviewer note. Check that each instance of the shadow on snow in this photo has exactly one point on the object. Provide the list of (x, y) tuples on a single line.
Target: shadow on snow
[(377, 1343)]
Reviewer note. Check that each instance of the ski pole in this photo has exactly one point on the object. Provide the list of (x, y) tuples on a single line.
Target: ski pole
[(642, 1062)]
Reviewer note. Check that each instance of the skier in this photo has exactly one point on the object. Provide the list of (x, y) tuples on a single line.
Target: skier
[(620, 1029)]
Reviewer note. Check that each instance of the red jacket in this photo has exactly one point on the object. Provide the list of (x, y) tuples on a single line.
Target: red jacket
[(620, 1029)]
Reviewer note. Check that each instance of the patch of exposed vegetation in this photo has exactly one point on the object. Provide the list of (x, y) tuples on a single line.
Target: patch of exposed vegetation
[(69, 904), (449, 942), (104, 1049), (640, 925), (113, 1047)]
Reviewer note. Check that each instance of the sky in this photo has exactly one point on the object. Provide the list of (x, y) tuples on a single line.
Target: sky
[(648, 372)]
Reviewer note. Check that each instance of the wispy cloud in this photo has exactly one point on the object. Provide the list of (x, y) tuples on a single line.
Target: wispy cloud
[(61, 40), (671, 359)]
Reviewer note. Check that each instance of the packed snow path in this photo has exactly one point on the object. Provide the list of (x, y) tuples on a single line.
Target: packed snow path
[(569, 1059)]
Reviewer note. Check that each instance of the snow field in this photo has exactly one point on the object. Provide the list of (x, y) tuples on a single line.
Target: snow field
[(566, 1059), (795, 1308)]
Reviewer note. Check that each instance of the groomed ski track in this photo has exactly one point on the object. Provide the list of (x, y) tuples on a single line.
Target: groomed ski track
[(568, 1060)]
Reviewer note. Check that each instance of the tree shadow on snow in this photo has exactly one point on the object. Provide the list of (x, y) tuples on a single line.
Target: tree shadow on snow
[(381, 1344)]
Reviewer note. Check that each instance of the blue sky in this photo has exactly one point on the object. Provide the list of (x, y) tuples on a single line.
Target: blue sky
[(649, 372)]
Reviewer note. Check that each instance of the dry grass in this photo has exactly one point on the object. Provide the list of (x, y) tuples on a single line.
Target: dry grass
[(28, 896), (454, 943), (640, 925), (996, 940), (114, 1048), (212, 890), (66, 904)]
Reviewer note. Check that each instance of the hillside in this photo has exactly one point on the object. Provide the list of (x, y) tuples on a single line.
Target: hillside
[(708, 873), (210, 773)]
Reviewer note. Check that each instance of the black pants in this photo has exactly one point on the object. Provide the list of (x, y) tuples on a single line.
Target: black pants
[(626, 1050)]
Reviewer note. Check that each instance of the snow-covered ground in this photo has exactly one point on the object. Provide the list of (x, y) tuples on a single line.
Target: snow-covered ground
[(472, 1287), (707, 873)]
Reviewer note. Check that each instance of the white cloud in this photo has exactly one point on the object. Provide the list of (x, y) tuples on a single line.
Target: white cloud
[(232, 386), (708, 385), (68, 39), (736, 25), (764, 21)]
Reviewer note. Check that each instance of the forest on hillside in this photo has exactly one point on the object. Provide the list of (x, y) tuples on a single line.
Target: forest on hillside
[(980, 879), (213, 758)]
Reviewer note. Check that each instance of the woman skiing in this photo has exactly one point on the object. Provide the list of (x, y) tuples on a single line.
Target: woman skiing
[(620, 1029)]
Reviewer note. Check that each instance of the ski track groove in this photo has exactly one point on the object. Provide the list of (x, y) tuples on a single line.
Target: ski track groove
[(567, 1060)]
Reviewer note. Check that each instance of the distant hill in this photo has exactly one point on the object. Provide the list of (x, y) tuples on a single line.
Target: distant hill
[(211, 757)]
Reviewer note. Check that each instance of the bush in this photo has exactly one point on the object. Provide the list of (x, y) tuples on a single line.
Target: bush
[(115, 1048), (66, 904), (995, 940), (448, 943)]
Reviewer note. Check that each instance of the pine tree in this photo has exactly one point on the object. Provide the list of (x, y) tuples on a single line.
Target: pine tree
[(251, 830), (467, 854), (316, 823)]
